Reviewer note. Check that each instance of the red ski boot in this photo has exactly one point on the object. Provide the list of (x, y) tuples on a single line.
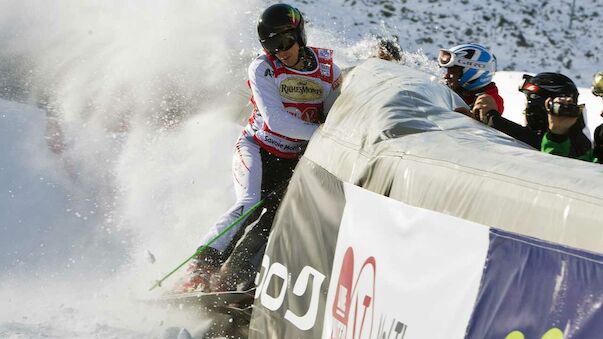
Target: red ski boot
[(199, 271)]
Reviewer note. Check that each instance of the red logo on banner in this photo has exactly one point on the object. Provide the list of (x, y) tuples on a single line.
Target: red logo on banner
[(353, 306)]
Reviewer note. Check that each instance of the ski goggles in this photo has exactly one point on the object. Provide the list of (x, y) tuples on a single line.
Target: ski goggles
[(527, 86), (279, 42), (448, 59)]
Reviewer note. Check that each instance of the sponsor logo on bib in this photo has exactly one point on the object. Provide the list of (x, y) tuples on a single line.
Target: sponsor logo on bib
[(300, 89), (324, 54), (325, 70)]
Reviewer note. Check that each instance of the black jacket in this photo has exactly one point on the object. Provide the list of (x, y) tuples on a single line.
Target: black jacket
[(580, 144)]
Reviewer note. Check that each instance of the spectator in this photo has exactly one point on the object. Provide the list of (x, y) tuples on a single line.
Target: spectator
[(556, 140), (469, 72), (542, 90)]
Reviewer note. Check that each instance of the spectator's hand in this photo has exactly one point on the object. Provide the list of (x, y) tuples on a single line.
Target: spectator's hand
[(560, 124), (483, 104), (464, 110)]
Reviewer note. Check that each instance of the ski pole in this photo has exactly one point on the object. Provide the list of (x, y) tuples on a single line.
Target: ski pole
[(203, 247)]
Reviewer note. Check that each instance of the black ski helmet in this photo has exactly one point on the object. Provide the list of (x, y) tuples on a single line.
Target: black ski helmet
[(388, 48), (278, 19), (540, 87)]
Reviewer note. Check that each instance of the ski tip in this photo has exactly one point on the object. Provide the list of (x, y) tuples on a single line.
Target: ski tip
[(176, 333), (184, 334)]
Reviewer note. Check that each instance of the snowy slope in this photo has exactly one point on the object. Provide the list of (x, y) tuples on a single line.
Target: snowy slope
[(117, 122), (526, 36)]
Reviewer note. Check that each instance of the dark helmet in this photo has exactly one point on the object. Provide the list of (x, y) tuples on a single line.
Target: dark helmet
[(540, 87), (276, 20), (549, 85), (389, 50)]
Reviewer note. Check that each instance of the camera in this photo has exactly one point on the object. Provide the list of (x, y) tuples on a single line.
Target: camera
[(564, 109)]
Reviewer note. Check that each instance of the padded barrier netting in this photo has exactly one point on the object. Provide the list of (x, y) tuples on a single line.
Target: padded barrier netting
[(393, 131)]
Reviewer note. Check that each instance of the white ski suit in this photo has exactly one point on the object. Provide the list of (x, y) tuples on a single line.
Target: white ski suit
[(288, 106)]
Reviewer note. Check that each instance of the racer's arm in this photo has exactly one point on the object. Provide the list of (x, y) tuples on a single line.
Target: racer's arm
[(268, 101), (337, 78), (333, 95)]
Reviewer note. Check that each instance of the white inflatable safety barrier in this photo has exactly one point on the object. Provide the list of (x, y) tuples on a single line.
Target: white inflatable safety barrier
[(405, 219)]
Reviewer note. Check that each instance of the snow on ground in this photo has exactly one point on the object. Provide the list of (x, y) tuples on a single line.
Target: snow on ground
[(67, 268), (116, 128)]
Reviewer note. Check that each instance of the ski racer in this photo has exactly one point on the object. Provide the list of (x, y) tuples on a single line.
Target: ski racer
[(469, 72), (541, 90), (557, 141), (289, 83)]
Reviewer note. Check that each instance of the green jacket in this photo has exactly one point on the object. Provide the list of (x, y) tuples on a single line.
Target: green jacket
[(560, 145)]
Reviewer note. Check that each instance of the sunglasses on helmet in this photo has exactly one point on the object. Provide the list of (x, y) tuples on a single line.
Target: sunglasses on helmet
[(527, 86), (448, 59), (279, 42)]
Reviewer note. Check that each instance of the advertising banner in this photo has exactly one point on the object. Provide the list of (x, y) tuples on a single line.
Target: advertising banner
[(344, 262), (535, 289), (401, 271), (295, 271)]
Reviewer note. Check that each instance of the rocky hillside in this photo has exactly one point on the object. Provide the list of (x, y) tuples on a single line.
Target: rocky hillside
[(526, 35)]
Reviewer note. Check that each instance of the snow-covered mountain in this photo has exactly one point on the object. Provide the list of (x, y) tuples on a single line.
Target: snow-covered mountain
[(533, 36), (117, 121)]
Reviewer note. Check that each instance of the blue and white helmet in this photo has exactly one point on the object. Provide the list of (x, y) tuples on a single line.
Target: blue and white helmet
[(479, 64)]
